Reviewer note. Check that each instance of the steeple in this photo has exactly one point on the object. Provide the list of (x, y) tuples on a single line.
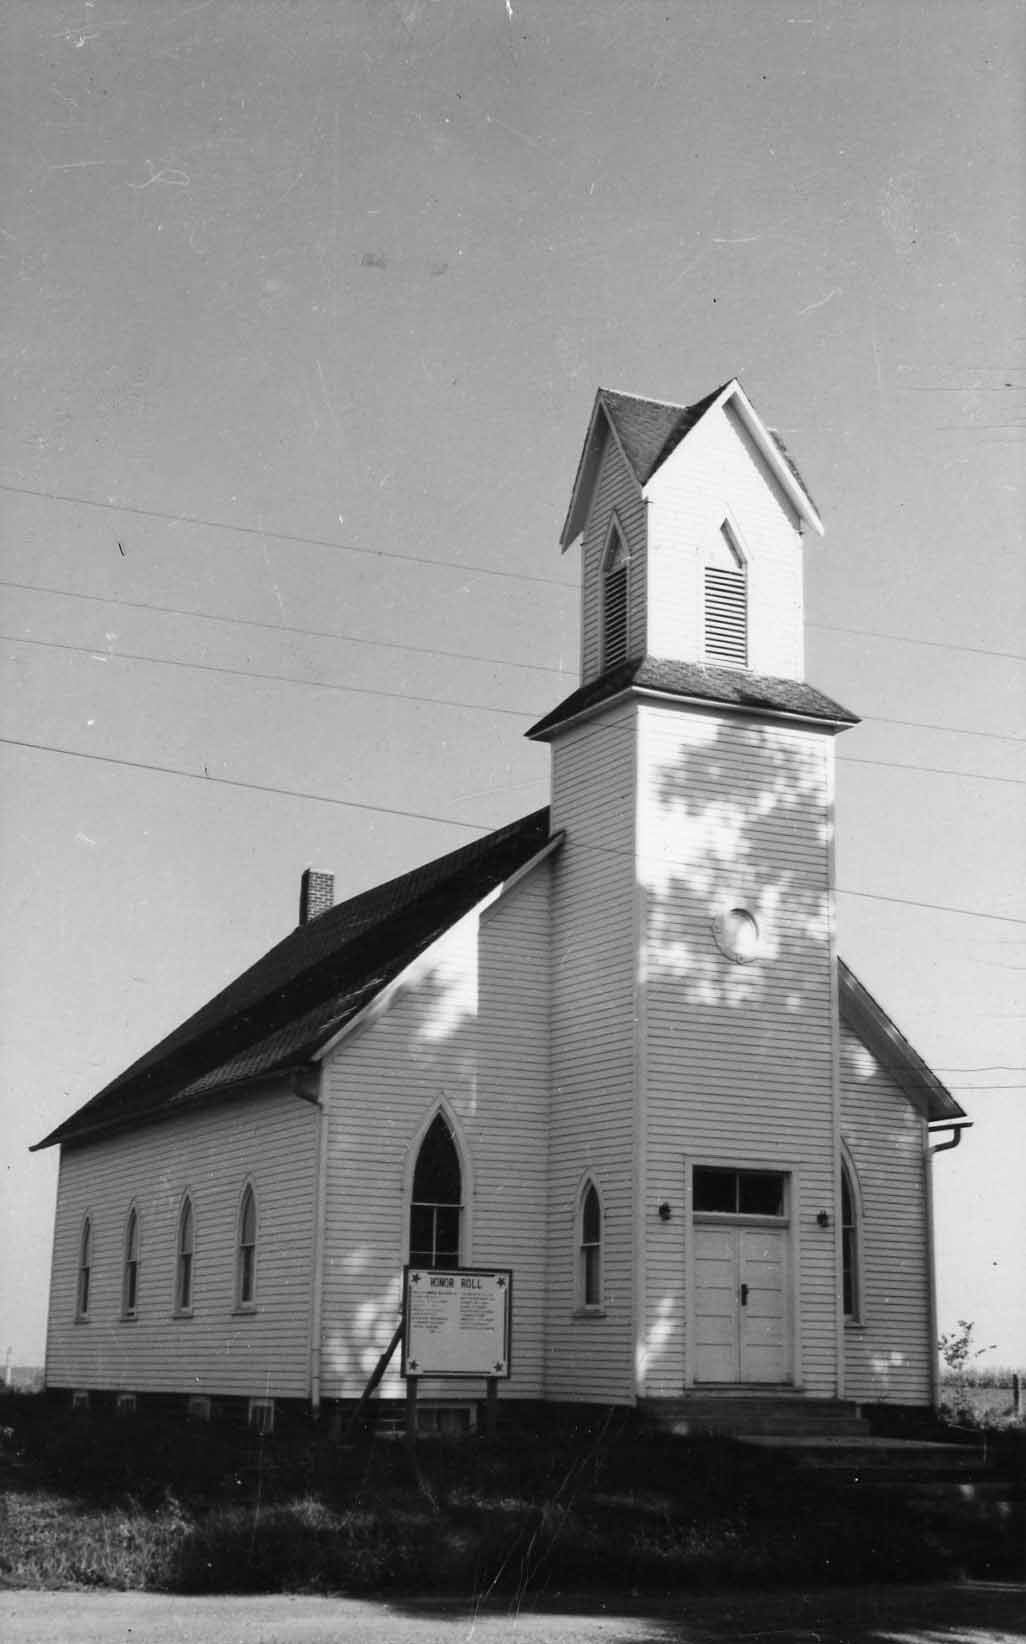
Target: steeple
[(690, 519)]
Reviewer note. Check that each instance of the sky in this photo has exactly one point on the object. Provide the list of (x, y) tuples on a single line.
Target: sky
[(306, 308)]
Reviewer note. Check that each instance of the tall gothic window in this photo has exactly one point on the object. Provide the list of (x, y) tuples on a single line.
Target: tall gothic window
[(183, 1266), (130, 1279), (589, 1270), (436, 1208), (245, 1280), (850, 1249), (85, 1269)]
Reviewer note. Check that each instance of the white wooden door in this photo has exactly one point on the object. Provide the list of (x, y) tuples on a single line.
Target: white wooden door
[(741, 1311)]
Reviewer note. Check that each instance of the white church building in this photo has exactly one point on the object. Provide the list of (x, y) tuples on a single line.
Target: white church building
[(611, 1046)]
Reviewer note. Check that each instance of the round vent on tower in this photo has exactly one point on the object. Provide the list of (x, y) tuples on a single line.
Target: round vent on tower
[(737, 935)]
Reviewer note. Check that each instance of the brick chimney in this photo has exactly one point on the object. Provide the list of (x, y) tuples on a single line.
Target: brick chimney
[(316, 894)]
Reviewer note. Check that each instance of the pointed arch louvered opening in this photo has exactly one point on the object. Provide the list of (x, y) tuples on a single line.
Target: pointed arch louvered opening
[(726, 603), (614, 601)]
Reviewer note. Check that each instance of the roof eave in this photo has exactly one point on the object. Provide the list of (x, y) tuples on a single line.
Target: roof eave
[(893, 1051), (577, 513), (796, 494), (710, 704)]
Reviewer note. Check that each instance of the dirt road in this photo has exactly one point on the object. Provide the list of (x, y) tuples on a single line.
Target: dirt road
[(975, 1613)]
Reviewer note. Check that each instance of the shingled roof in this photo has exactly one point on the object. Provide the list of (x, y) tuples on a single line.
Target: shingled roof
[(283, 1009), (649, 431), (871, 1024), (695, 681)]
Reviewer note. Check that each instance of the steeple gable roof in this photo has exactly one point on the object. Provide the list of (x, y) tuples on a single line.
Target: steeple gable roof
[(649, 431)]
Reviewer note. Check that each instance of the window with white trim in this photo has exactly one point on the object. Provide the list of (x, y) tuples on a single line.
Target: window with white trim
[(130, 1276), (85, 1270), (436, 1204), (589, 1248), (245, 1270), (851, 1277), (726, 602), (184, 1258), (615, 570)]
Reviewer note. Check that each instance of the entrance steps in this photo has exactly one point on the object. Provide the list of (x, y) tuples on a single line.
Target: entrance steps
[(786, 1414)]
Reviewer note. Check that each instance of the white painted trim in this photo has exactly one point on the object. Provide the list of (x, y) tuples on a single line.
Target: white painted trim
[(467, 1186), (704, 704), (639, 1175), (791, 1225), (320, 1213), (931, 1268), (419, 966), (796, 494), (835, 1064)]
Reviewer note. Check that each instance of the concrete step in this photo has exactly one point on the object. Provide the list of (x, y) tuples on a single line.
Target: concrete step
[(785, 1415), (868, 1456)]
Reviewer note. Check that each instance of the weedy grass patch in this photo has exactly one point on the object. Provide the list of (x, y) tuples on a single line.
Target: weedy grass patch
[(568, 1503)]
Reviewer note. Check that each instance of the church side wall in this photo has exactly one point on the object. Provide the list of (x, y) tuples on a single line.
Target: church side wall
[(888, 1352), (616, 490), (716, 473), (593, 1049), (467, 1028), (268, 1140), (740, 1063)]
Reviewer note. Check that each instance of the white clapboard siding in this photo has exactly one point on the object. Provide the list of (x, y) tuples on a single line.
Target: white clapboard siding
[(888, 1355), (717, 474), (590, 1357), (469, 1027), (616, 492), (268, 1140), (738, 1058)]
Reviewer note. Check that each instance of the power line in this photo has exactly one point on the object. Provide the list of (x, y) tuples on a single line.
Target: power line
[(928, 770), (425, 559), (285, 536), (995, 1067), (424, 816), (907, 639), (249, 673), (235, 782), (282, 627), (420, 650)]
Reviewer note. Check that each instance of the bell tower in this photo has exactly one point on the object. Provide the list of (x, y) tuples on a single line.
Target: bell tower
[(694, 1025)]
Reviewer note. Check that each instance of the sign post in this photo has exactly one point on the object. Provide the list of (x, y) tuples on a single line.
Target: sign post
[(457, 1322)]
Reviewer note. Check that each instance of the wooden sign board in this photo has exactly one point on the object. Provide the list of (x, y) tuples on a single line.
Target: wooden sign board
[(457, 1321)]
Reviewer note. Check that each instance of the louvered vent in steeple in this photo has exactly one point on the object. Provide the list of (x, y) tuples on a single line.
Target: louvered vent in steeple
[(614, 602), (726, 604)]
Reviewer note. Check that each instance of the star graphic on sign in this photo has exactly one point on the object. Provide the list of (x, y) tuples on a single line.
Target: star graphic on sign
[(413, 1365), (414, 1278), (501, 1283), (499, 1365)]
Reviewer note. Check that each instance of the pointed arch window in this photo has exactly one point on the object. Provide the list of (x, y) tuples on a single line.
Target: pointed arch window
[(184, 1274), (436, 1208), (615, 568), (130, 1277), (245, 1271), (589, 1249), (850, 1248), (726, 602), (85, 1270)]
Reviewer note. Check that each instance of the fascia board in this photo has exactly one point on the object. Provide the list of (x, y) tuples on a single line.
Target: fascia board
[(797, 495), (870, 1023), (571, 529)]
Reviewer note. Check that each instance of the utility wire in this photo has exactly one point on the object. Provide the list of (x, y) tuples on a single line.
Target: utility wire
[(249, 673), (425, 559), (420, 650), (907, 639), (286, 628), (286, 536), (425, 816), (410, 696)]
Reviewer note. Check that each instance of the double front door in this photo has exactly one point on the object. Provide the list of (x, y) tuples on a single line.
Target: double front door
[(741, 1304)]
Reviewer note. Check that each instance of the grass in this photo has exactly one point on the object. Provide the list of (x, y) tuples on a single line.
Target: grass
[(134, 1504)]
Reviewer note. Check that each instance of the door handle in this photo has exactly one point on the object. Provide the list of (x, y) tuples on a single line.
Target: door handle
[(744, 1295)]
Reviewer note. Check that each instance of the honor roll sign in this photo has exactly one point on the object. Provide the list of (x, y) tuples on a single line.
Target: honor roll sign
[(457, 1321)]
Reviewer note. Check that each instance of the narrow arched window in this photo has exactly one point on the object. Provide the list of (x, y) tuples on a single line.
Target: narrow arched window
[(614, 601), (85, 1270), (589, 1270), (246, 1262), (726, 601), (436, 1208), (130, 1278), (850, 1249), (184, 1263)]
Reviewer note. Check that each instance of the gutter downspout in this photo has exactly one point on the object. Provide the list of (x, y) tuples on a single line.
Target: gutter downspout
[(317, 1299), (956, 1126)]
